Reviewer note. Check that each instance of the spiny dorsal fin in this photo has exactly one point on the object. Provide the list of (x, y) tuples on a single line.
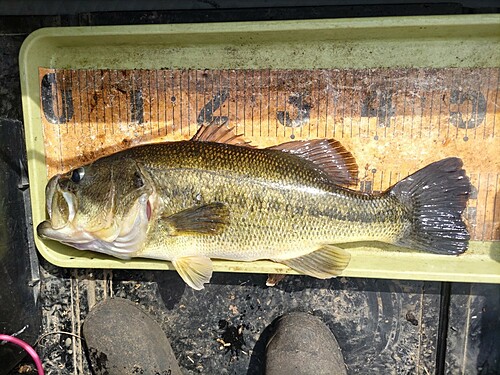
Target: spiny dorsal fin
[(210, 218), (219, 133), (326, 262), (328, 155)]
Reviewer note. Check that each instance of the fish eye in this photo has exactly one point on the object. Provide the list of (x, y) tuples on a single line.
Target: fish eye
[(77, 175), (138, 181)]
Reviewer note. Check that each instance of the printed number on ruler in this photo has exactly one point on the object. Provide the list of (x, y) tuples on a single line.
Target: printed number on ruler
[(394, 121)]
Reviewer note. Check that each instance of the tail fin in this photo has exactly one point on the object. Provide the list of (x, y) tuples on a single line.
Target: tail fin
[(435, 197)]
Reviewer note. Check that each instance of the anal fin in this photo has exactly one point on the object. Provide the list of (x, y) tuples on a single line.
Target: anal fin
[(326, 262), (195, 270)]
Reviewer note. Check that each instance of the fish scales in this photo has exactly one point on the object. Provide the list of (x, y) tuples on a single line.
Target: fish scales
[(279, 205)]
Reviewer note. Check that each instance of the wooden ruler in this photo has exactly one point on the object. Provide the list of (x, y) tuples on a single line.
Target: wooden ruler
[(394, 121)]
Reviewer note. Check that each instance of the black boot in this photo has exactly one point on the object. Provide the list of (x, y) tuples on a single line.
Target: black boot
[(303, 345), (121, 339)]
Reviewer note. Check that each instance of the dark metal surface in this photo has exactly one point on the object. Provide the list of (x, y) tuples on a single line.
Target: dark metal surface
[(343, 8), (386, 327), (19, 310), (473, 345)]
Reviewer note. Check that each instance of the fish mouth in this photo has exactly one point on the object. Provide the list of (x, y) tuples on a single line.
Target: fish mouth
[(44, 229), (61, 208), (120, 239)]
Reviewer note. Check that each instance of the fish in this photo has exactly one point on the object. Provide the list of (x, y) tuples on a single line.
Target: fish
[(216, 196)]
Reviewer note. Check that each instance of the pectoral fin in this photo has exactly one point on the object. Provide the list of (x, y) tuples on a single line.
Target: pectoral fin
[(324, 263), (195, 271), (207, 219)]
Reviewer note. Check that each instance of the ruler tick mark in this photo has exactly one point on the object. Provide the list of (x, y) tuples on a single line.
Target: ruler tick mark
[(112, 111)]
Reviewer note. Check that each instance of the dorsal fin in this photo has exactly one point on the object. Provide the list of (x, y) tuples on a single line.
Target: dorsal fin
[(219, 133), (328, 155)]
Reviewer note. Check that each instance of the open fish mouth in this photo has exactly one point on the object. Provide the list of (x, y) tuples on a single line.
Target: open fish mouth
[(61, 208), (120, 239)]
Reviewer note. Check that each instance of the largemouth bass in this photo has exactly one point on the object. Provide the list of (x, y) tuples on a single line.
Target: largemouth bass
[(215, 196)]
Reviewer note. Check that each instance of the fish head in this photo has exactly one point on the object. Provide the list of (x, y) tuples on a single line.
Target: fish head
[(104, 206)]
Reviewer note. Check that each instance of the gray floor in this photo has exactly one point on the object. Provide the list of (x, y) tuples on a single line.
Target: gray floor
[(383, 327)]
